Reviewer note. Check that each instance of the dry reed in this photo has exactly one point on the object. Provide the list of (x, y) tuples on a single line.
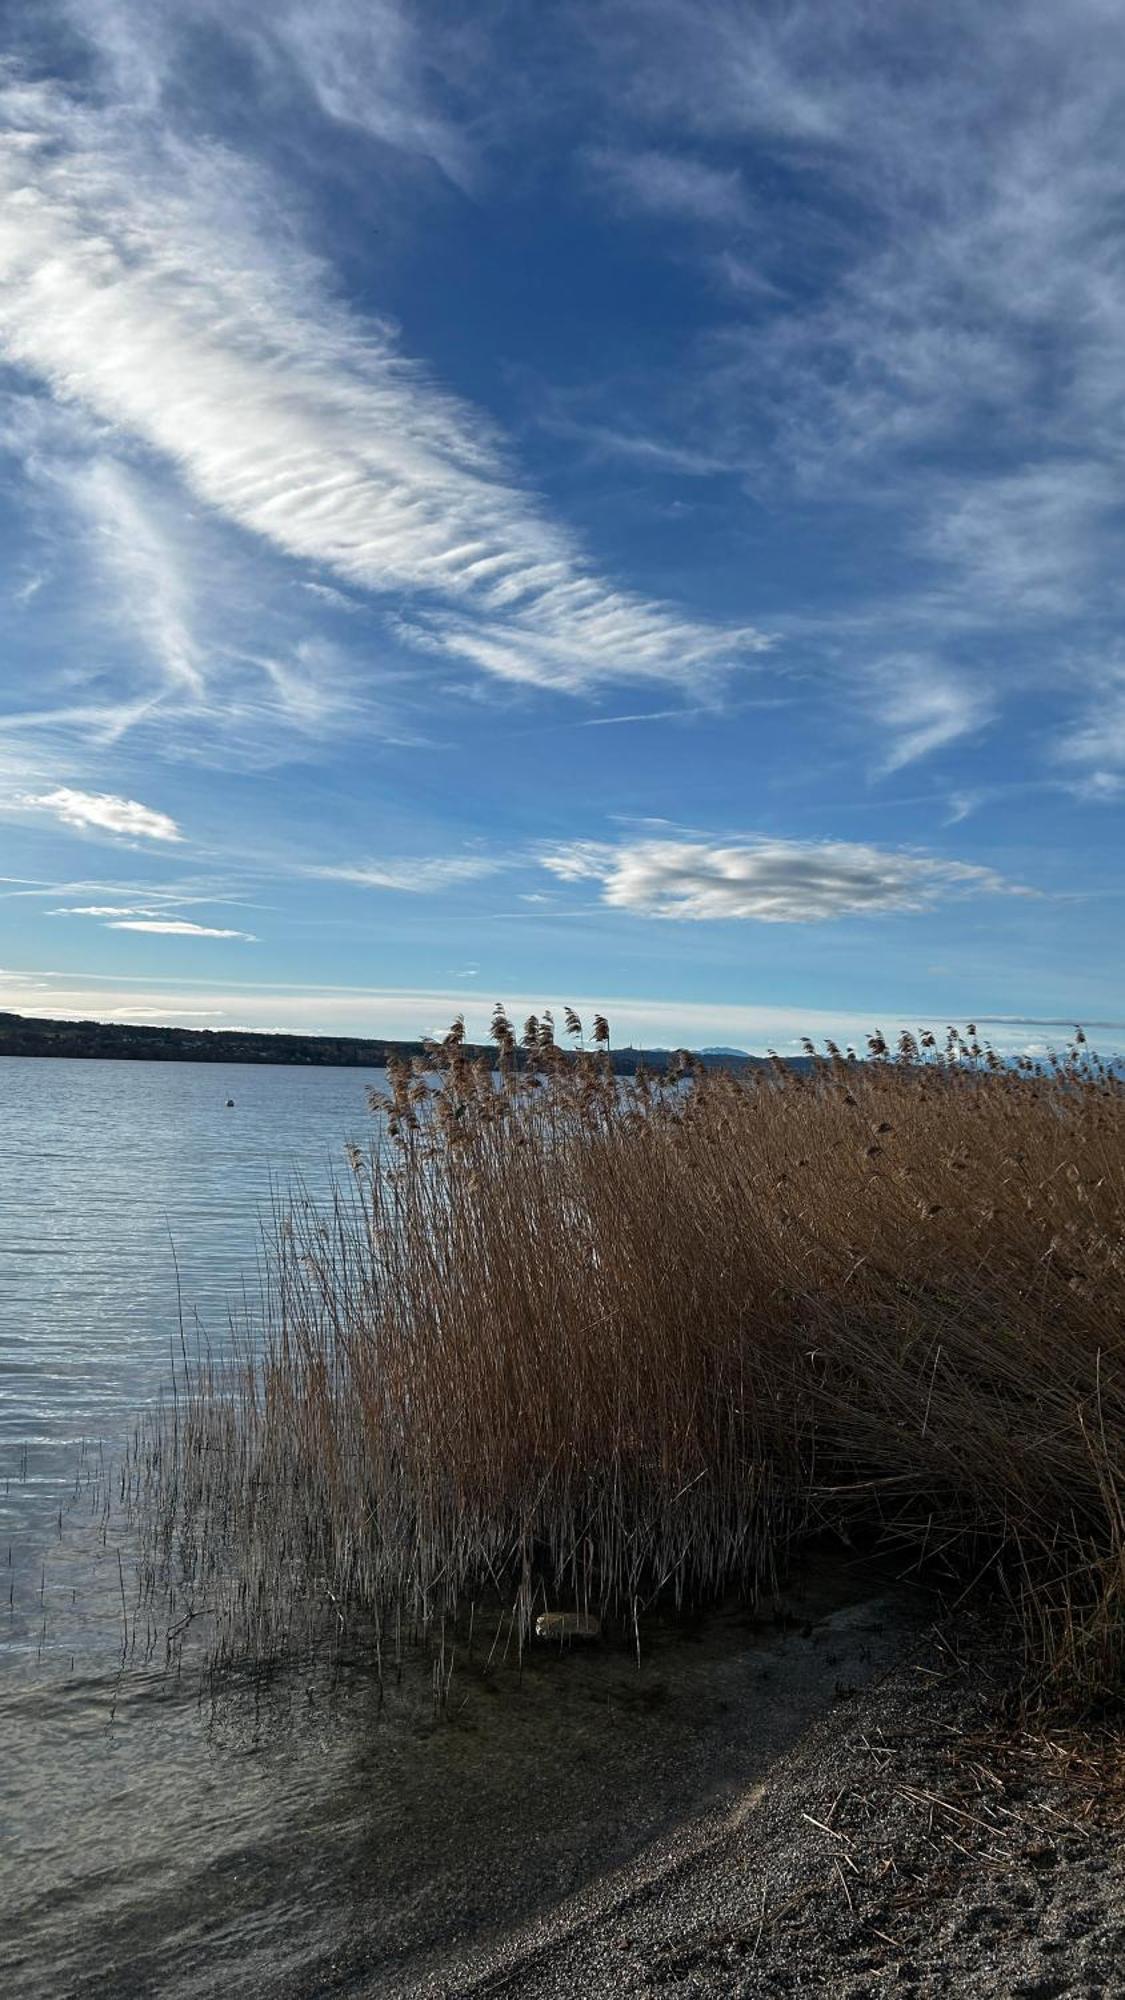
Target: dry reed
[(569, 1340)]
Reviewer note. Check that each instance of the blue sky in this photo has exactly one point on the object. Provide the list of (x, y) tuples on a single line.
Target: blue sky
[(563, 503)]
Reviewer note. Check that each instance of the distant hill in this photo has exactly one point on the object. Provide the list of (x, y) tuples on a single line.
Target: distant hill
[(21, 1035)]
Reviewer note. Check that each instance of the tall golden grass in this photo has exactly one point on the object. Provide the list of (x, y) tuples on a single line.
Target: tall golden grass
[(566, 1340)]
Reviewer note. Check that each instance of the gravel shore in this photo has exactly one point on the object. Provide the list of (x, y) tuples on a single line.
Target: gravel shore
[(906, 1844)]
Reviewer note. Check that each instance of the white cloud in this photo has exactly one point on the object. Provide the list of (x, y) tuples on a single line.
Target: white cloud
[(556, 414), (104, 812), (950, 353), (1029, 541), (147, 572), (100, 910), (167, 625), (147, 283), (962, 805), (175, 927), (103, 722), (649, 715), (365, 62), (177, 894), (312, 688), (669, 184), (374, 66), (423, 876), (578, 633), (1094, 745), (337, 599), (924, 707), (157, 916), (1100, 787), (770, 881), (980, 178)]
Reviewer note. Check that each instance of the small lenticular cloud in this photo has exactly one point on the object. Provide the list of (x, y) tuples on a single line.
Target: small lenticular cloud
[(769, 881), (176, 927)]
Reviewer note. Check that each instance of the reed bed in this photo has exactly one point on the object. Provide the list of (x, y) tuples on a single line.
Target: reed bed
[(569, 1341)]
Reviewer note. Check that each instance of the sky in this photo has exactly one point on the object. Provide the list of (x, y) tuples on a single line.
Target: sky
[(557, 503)]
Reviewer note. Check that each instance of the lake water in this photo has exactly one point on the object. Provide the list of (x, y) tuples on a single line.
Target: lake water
[(277, 1842), (104, 1167)]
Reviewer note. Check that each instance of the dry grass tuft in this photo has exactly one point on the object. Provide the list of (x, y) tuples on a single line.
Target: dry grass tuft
[(573, 1341)]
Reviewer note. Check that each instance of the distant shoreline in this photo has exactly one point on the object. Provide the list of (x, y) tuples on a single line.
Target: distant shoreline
[(21, 1035)]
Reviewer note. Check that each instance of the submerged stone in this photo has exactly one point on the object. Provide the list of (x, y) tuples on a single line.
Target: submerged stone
[(567, 1625)]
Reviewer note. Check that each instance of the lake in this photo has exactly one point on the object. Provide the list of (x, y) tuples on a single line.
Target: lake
[(105, 1168), (278, 1840)]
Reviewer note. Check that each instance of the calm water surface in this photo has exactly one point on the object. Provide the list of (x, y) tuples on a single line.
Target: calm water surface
[(277, 1842), (104, 1167)]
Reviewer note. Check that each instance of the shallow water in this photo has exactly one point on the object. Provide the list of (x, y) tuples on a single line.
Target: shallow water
[(287, 1839), (129, 1193)]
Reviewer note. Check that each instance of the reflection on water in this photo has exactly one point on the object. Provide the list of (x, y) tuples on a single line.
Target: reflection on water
[(286, 1840)]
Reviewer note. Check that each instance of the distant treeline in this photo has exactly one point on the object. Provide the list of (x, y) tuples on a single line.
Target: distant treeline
[(130, 1041)]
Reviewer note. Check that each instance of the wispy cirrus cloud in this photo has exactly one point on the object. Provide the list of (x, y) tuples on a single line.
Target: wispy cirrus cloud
[(103, 812), (1100, 788), (178, 893), (159, 916), (100, 910), (158, 908), (1028, 542), (425, 875), (172, 632), (368, 65), (652, 182), (150, 582), (1092, 748), (962, 805), (767, 881), (152, 291), (922, 706), (374, 67), (943, 349), (944, 293)]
